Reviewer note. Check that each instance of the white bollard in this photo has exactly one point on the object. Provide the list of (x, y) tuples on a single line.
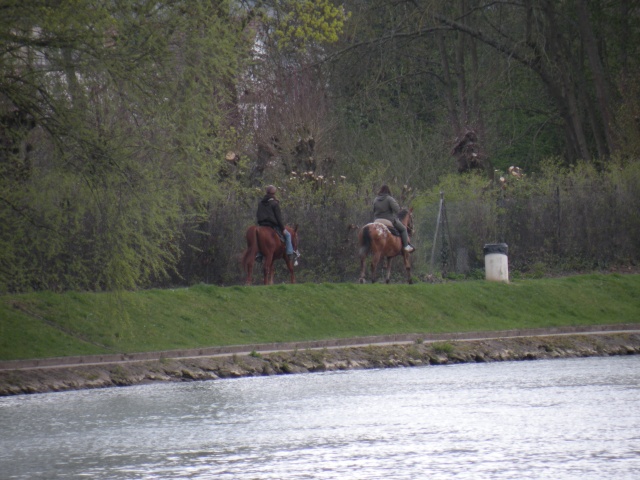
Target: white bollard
[(496, 262)]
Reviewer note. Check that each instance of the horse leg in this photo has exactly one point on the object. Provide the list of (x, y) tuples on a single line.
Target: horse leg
[(387, 265), (292, 274), (375, 260), (407, 266), (249, 267), (268, 269), (363, 267), (272, 271)]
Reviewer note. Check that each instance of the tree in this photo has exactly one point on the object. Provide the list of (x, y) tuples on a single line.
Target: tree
[(550, 44), (283, 93), (121, 131), (553, 68)]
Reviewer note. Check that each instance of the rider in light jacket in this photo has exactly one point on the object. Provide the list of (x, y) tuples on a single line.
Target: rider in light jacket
[(386, 207)]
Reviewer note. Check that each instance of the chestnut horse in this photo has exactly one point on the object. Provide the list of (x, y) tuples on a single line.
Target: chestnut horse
[(376, 239), (267, 241)]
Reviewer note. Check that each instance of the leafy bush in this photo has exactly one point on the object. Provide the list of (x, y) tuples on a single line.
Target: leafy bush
[(562, 219)]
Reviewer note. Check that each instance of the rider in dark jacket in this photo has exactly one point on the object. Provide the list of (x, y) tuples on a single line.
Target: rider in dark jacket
[(386, 207), (269, 215)]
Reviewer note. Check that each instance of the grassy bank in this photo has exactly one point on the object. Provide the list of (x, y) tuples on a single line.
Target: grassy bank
[(48, 325)]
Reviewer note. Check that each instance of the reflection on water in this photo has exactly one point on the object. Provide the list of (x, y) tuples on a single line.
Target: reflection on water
[(562, 419)]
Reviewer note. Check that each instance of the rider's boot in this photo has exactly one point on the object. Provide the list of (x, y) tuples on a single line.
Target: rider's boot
[(407, 247)]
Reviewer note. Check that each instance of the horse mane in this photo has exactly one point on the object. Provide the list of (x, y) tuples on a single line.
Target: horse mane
[(403, 213)]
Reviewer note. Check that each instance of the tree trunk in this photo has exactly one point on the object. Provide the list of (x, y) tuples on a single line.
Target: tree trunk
[(460, 72), (597, 71), (448, 90), (550, 60), (475, 111), (561, 62)]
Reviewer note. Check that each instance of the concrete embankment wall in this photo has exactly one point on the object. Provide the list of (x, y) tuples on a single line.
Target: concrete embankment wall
[(52, 375)]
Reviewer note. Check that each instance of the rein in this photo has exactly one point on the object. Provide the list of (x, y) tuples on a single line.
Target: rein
[(402, 215)]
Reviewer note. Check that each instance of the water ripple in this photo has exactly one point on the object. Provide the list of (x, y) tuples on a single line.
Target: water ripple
[(562, 419)]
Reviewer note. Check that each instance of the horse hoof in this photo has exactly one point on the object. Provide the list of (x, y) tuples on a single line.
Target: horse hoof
[(361, 280)]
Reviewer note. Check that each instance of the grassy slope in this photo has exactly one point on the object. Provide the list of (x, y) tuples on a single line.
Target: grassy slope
[(47, 325)]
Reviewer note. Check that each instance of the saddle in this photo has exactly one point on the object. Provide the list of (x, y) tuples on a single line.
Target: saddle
[(278, 232), (389, 225)]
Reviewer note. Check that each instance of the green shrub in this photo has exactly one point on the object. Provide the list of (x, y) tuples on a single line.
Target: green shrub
[(443, 348)]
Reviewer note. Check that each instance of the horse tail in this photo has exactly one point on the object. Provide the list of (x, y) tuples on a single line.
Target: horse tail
[(365, 241), (255, 242), (252, 246)]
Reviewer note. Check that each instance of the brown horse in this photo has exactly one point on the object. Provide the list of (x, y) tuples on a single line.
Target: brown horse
[(266, 241), (375, 239)]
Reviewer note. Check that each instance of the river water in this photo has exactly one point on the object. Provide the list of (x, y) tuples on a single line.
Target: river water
[(559, 419)]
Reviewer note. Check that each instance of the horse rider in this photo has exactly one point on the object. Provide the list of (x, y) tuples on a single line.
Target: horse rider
[(269, 215), (386, 207)]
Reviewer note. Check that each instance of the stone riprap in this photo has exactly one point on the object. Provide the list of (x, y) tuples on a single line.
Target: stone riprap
[(22, 378)]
